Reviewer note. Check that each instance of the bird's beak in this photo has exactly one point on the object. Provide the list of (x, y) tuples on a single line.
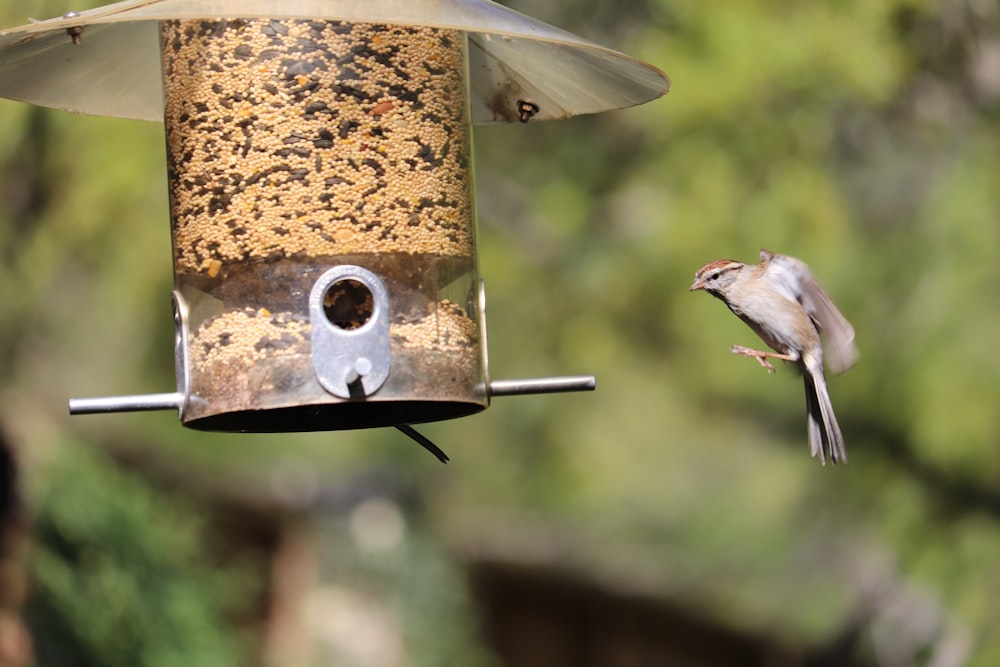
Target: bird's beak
[(697, 285)]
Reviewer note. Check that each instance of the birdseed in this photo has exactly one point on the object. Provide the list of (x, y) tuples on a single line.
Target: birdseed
[(247, 336), (449, 329), (306, 139)]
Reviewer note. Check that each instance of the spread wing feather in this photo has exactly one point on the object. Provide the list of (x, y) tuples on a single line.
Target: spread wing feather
[(838, 334)]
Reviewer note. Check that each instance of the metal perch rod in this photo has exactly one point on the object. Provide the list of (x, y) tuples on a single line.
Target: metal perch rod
[(137, 403), (174, 400), (552, 385)]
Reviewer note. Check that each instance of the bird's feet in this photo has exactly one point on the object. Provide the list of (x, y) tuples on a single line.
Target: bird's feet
[(760, 356)]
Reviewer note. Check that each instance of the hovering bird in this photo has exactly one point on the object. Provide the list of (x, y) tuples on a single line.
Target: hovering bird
[(781, 301)]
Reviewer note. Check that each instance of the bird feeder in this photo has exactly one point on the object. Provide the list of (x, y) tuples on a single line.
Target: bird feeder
[(320, 182)]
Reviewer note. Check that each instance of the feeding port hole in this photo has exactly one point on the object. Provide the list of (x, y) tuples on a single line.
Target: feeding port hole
[(348, 304)]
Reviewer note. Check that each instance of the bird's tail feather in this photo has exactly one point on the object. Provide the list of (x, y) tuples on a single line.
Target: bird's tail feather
[(824, 431)]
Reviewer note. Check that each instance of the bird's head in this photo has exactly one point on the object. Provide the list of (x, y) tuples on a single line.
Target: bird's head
[(717, 277)]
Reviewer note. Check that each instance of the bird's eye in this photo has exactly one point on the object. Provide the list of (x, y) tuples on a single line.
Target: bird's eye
[(714, 276)]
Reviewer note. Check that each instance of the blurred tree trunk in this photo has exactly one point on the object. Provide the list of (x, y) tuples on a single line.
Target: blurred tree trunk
[(15, 642)]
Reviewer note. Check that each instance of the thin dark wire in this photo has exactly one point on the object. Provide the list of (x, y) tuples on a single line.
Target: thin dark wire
[(423, 441)]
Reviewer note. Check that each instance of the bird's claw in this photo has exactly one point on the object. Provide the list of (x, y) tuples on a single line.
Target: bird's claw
[(761, 357)]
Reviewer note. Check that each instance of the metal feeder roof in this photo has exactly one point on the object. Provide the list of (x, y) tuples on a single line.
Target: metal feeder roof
[(112, 66)]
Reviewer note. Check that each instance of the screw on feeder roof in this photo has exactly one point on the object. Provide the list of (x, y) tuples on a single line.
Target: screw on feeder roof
[(75, 32), (526, 110)]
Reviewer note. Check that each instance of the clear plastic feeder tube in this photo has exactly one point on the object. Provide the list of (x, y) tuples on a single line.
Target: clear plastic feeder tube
[(298, 146)]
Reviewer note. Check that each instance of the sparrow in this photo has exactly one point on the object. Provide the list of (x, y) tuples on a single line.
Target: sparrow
[(781, 301)]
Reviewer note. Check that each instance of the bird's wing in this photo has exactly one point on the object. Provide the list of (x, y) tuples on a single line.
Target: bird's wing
[(798, 281)]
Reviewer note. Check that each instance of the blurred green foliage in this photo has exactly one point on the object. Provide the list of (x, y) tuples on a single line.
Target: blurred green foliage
[(119, 576), (863, 137)]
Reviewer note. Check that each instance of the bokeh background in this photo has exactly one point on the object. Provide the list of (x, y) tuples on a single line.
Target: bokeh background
[(673, 517)]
